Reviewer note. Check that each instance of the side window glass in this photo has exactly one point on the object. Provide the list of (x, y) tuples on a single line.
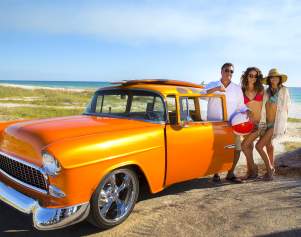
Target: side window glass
[(172, 109), (189, 109), (148, 107), (193, 109), (141, 103), (111, 104), (184, 109), (211, 108), (158, 105), (99, 104)]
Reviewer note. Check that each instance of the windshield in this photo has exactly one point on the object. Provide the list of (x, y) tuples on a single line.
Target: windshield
[(138, 105)]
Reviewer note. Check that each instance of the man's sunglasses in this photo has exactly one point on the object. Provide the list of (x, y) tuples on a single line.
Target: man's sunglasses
[(228, 70)]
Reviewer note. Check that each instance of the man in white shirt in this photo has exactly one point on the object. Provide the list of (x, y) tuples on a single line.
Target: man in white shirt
[(235, 103)]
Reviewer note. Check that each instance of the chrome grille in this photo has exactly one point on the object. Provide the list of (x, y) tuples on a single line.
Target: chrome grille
[(22, 172)]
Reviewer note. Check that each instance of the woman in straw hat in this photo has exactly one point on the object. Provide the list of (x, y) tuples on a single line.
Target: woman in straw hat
[(251, 83), (274, 115)]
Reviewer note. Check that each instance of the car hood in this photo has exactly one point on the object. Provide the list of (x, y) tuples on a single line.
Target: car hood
[(54, 129), (27, 138)]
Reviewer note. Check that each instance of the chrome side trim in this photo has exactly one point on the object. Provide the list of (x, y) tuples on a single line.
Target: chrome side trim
[(44, 218), (231, 146), (30, 165)]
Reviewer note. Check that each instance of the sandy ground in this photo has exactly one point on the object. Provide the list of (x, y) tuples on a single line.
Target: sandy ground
[(201, 208), (195, 208)]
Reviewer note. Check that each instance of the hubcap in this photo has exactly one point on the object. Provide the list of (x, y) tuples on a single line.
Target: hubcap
[(117, 195)]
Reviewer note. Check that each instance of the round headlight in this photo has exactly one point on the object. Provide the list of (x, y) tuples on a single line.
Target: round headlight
[(50, 164)]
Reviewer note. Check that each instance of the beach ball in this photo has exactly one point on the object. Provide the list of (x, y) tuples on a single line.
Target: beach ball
[(241, 124)]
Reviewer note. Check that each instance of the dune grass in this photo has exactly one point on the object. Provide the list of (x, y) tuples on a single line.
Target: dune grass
[(44, 103), (45, 96), (37, 112), (294, 120)]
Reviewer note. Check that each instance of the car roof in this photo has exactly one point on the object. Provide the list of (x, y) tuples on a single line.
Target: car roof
[(164, 86)]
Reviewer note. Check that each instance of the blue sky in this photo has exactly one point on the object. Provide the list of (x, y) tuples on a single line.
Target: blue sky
[(119, 40)]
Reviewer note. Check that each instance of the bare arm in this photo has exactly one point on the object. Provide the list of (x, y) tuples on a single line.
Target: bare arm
[(218, 88)]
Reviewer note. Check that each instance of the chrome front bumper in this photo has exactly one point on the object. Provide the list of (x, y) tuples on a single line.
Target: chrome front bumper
[(43, 218)]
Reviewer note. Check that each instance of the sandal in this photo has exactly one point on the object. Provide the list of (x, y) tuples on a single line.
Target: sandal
[(267, 177), (234, 179), (216, 179), (251, 176)]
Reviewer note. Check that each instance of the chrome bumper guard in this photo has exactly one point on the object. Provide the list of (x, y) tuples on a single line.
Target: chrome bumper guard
[(44, 218)]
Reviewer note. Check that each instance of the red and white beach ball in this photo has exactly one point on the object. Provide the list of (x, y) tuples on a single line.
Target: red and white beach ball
[(241, 124)]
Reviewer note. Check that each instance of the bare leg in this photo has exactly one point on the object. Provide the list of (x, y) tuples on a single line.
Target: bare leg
[(236, 158), (216, 177), (263, 141), (247, 148), (270, 151)]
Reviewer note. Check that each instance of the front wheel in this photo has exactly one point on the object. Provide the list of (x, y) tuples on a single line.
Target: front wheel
[(114, 198)]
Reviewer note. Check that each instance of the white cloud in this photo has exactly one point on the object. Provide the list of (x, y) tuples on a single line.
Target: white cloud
[(126, 23), (265, 23), (146, 22), (248, 32)]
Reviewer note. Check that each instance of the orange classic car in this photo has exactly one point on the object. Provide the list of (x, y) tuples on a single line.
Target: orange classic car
[(139, 133)]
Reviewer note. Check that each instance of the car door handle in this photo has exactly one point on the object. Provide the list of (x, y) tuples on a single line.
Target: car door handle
[(231, 146), (225, 126)]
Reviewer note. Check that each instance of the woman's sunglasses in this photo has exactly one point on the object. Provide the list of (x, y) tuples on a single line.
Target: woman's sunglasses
[(252, 76)]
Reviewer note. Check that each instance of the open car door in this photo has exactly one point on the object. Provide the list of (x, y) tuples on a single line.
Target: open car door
[(197, 145)]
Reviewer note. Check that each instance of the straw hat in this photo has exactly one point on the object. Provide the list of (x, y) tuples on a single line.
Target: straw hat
[(274, 73)]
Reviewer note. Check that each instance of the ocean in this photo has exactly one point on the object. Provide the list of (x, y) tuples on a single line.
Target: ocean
[(59, 84), (295, 92)]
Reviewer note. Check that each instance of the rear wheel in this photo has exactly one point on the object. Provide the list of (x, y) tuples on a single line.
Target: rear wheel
[(114, 198)]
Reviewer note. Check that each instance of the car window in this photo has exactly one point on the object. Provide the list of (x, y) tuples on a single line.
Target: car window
[(111, 104), (211, 108), (132, 104), (158, 105), (196, 109), (189, 109), (147, 107), (172, 109), (140, 103)]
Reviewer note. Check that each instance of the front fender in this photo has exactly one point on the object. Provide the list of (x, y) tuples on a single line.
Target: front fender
[(4, 124), (86, 160)]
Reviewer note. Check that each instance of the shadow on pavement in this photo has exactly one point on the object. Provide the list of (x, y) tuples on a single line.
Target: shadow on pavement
[(287, 233)]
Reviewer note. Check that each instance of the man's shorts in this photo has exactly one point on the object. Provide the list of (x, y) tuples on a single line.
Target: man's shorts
[(237, 142)]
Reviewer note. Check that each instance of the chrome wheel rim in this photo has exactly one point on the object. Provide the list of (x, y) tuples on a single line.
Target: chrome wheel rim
[(117, 195)]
